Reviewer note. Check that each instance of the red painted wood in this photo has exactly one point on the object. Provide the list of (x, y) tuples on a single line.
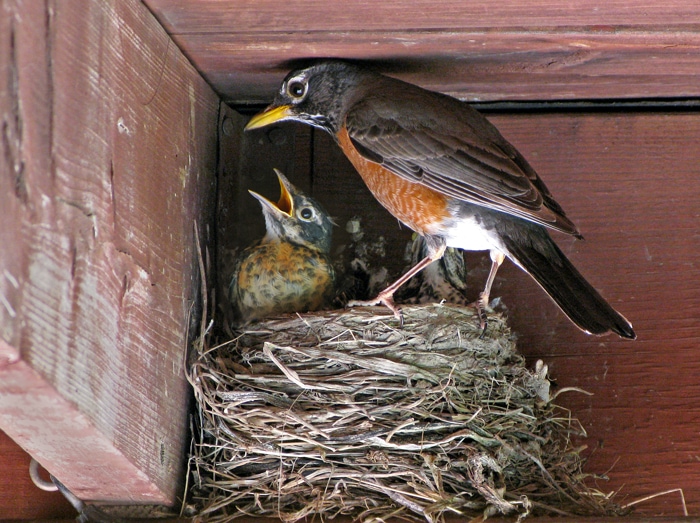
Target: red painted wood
[(216, 16), (630, 182), (72, 446), (478, 66), (107, 159), (19, 498), (8, 354), (543, 50), (343, 519)]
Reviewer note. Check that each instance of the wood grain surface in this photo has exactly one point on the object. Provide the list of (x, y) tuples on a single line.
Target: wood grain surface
[(482, 50), (108, 157), (216, 16)]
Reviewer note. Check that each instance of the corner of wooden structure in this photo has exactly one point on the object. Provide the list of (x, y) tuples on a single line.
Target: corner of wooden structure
[(108, 161)]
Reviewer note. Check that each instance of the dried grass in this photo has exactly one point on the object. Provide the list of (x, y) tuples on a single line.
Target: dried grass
[(346, 413)]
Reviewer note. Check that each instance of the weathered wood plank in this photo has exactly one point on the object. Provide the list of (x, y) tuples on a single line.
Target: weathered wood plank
[(214, 16), (641, 420), (547, 50), (109, 155), (90, 458), (449, 519), (629, 181), (487, 65)]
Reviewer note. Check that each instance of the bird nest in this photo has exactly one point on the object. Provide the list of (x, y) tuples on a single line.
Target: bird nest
[(346, 413)]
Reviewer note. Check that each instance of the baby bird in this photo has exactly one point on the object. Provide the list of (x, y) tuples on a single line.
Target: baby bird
[(289, 270)]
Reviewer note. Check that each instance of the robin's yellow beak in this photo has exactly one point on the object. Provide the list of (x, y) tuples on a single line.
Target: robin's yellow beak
[(285, 204), (268, 116)]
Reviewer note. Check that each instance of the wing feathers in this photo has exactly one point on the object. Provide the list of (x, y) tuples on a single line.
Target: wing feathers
[(457, 152)]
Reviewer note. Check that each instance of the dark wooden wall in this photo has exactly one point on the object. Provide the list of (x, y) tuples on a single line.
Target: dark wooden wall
[(629, 181)]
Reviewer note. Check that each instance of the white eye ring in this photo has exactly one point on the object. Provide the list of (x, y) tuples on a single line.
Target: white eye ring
[(297, 88), (306, 213)]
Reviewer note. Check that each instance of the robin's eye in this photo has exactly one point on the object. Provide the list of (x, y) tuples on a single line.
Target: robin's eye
[(306, 213), (296, 89)]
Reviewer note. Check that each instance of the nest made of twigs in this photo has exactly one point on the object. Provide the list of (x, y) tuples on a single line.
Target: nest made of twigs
[(346, 412)]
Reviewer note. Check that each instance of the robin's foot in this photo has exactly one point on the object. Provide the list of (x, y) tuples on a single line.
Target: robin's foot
[(481, 305), (383, 298)]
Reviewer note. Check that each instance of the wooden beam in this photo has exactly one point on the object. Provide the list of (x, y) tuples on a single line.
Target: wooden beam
[(215, 16), (475, 66), (108, 158), (479, 51), (91, 461)]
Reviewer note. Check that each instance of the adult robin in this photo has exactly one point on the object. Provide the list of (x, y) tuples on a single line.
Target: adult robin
[(289, 270), (446, 172)]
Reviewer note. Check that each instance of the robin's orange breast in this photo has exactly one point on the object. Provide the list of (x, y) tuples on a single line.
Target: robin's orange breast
[(420, 208)]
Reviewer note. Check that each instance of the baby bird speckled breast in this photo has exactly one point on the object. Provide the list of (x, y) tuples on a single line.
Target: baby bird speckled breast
[(289, 270)]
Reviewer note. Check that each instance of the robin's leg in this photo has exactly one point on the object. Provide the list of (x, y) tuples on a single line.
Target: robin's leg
[(483, 302), (436, 249)]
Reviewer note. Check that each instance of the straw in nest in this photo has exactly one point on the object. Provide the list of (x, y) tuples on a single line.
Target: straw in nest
[(347, 413)]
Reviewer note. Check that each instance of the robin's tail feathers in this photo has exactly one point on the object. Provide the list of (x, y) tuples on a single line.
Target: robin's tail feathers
[(547, 264)]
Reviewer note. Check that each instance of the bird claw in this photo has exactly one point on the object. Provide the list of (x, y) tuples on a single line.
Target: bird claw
[(381, 299), (481, 305)]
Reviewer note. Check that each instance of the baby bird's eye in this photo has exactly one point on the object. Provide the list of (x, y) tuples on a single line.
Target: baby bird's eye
[(306, 213)]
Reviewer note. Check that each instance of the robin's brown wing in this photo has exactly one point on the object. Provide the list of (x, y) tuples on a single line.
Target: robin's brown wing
[(453, 149)]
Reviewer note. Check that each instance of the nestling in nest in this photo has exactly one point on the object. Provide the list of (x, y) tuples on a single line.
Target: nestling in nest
[(343, 412)]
